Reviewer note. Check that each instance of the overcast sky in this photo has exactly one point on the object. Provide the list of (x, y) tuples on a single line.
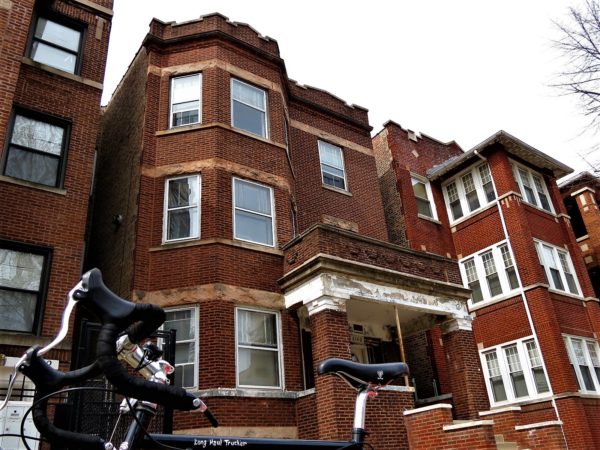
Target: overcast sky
[(455, 70)]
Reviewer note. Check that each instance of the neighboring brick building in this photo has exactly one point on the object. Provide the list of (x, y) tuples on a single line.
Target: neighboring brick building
[(53, 55), (581, 195), (498, 211), (249, 207)]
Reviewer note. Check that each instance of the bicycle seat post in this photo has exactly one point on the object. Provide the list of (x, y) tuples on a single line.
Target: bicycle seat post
[(360, 409)]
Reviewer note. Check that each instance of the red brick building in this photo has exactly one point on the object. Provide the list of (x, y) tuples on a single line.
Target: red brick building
[(498, 211), (53, 55), (581, 196), (249, 207)]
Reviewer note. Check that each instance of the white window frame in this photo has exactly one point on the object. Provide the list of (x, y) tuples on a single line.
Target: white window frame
[(343, 168), (499, 262), (415, 178), (199, 99), (166, 209), (557, 263), (475, 173), (526, 367), (531, 174), (587, 359), (279, 351), (196, 341), (272, 216), (265, 111)]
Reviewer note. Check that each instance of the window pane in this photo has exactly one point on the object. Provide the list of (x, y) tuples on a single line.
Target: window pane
[(332, 180), (184, 376), (17, 310), (257, 328), (258, 367), (539, 187), (516, 371), (32, 167), (495, 376), (331, 155), (424, 207), (183, 192), (53, 57), (185, 118), (186, 89), (490, 195), (252, 197), (20, 270), (253, 228), (455, 206), (57, 34), (37, 135), (476, 295), (471, 192), (247, 94), (181, 322), (567, 271)]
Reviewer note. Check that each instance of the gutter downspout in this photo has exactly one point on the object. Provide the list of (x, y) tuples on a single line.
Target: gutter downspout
[(524, 297)]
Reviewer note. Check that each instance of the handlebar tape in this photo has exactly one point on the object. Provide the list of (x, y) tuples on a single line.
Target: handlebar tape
[(47, 381), (131, 386), (148, 318)]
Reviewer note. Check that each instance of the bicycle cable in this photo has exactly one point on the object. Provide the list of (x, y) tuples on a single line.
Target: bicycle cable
[(144, 430)]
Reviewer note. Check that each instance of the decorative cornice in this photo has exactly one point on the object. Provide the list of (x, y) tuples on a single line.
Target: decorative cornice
[(326, 303), (457, 323)]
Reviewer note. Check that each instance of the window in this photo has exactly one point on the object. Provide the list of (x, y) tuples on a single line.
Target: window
[(253, 212), (258, 348), (532, 186), (182, 208), (56, 44), (186, 100), (469, 192), (583, 355), (36, 149), (495, 267), (424, 197), (248, 108), (514, 371), (332, 165), (558, 268), (185, 323), (23, 274)]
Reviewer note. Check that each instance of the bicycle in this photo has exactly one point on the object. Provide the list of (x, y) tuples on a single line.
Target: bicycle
[(124, 326)]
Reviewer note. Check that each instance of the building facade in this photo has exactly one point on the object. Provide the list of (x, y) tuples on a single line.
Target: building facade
[(249, 207), (53, 57), (497, 210), (581, 196)]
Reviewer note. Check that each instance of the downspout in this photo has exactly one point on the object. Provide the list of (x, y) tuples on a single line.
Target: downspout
[(523, 296)]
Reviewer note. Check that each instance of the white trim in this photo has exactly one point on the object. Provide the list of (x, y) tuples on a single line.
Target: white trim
[(503, 367), (582, 190), (196, 322), (420, 179), (165, 232), (265, 112), (484, 203), (272, 216), (530, 426), (410, 412), (343, 168), (500, 410), (171, 91), (469, 424), (279, 349)]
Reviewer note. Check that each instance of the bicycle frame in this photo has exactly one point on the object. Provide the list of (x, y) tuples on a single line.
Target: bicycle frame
[(212, 442)]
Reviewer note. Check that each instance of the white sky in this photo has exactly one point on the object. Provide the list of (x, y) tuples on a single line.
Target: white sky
[(455, 70)]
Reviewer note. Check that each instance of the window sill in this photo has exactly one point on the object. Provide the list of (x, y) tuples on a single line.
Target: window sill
[(430, 219), (485, 303), (62, 73), (29, 184), (234, 243), (542, 210), (338, 190), (565, 294), (528, 401), (582, 238)]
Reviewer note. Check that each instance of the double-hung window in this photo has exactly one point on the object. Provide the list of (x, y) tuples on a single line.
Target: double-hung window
[(423, 197), (332, 165), (185, 322), (253, 212), (36, 149), (248, 108), (532, 186), (558, 268), (514, 372), (186, 100), (583, 355), (56, 44), (489, 273), (469, 192), (258, 348), (182, 208), (23, 275)]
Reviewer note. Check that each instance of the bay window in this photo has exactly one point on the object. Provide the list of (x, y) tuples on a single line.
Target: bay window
[(182, 208), (558, 267), (258, 348), (494, 266), (469, 192), (514, 371), (253, 212)]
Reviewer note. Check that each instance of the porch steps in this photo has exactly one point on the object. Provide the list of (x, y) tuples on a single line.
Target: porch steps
[(502, 445)]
